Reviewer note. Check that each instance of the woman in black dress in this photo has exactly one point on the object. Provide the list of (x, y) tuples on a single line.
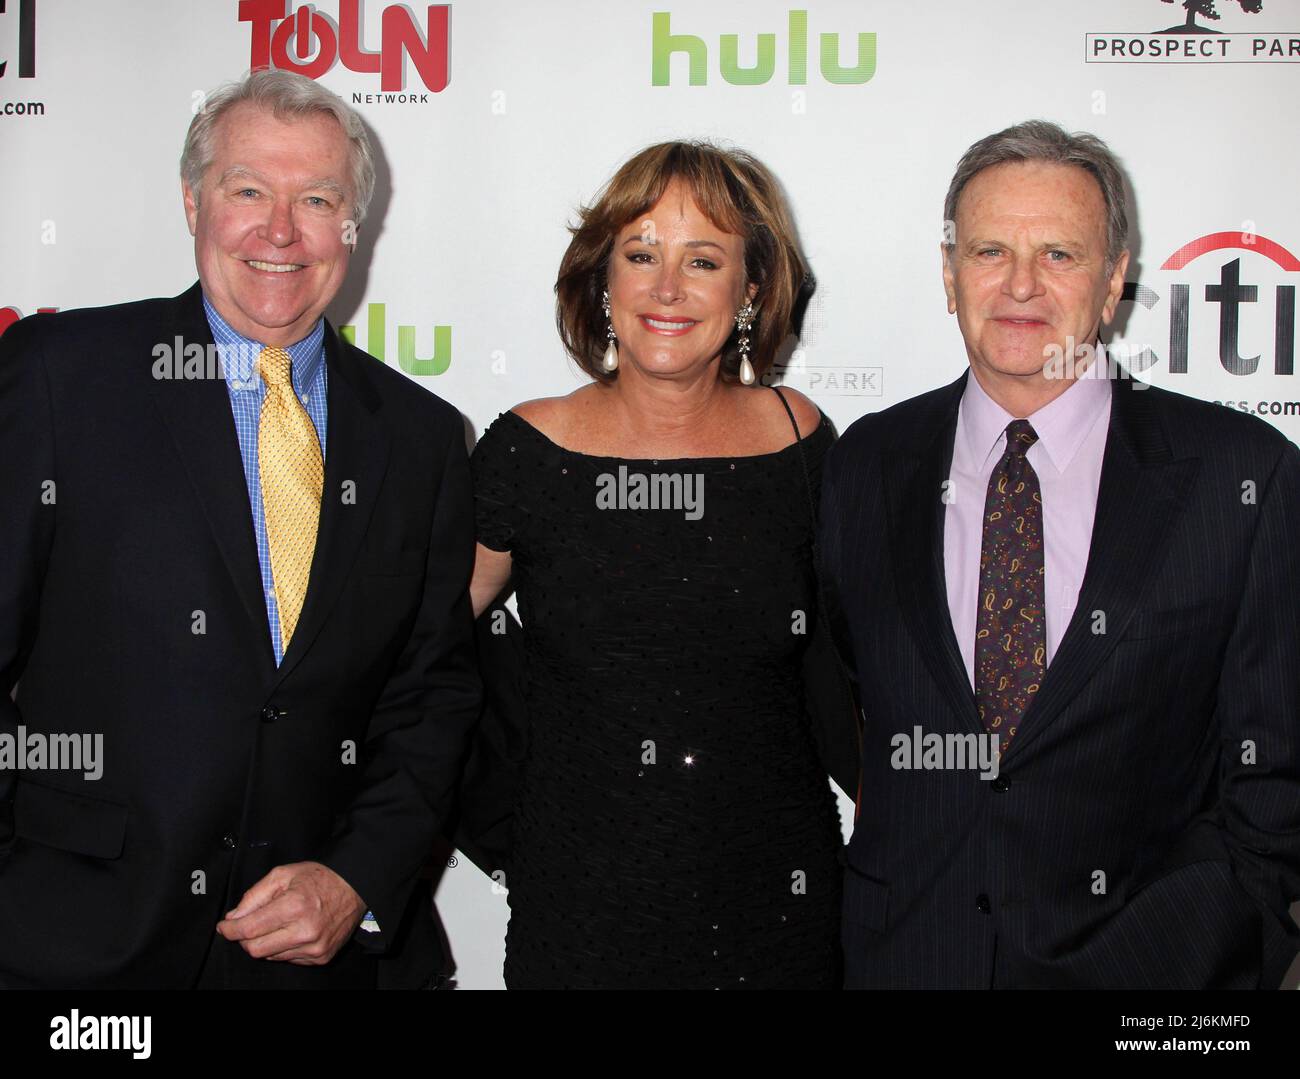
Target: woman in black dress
[(674, 827)]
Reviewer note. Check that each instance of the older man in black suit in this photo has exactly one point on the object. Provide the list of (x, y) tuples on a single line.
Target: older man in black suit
[(235, 556), (1071, 603)]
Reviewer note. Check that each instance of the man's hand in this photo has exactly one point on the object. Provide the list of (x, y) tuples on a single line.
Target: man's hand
[(302, 913)]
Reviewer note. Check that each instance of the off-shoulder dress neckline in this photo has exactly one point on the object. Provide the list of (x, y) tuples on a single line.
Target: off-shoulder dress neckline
[(823, 423)]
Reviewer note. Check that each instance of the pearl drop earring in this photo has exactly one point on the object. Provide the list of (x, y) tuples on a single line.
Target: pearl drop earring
[(744, 320), (609, 362)]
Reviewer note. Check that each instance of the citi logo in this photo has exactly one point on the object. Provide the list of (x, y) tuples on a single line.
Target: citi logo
[(26, 39), (1230, 298), (311, 43), (377, 343), (665, 43)]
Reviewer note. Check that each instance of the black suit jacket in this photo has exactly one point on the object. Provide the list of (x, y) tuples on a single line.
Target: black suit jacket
[(1145, 827), (131, 606)]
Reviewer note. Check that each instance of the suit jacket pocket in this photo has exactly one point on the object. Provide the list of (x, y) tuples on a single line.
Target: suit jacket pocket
[(68, 821), (866, 901)]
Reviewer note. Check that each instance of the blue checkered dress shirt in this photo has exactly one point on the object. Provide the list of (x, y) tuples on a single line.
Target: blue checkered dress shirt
[(246, 388)]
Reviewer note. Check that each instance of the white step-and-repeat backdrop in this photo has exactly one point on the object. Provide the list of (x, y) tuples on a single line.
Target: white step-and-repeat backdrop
[(495, 119)]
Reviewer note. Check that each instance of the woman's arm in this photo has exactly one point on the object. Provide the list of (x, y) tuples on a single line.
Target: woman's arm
[(491, 575)]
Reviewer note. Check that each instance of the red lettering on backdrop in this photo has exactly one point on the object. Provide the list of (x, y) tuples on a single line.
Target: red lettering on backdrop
[(263, 14), (316, 44), (354, 57), (298, 27), (401, 34)]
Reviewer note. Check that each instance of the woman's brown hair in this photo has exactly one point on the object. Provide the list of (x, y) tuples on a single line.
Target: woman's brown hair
[(733, 190)]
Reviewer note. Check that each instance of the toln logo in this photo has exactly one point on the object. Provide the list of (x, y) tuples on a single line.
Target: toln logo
[(310, 43)]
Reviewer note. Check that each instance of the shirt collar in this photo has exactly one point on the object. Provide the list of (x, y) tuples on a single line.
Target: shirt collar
[(1061, 425), (239, 354)]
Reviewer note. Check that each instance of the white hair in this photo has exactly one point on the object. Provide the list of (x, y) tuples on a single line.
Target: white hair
[(286, 95)]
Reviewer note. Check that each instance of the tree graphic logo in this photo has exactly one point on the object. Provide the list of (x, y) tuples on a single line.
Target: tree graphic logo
[(1197, 39), (1206, 9)]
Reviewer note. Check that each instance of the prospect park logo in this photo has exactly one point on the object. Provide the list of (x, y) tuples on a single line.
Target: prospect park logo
[(1196, 41)]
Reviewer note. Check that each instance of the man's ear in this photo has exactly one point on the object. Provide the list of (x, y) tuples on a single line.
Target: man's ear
[(191, 207), (1115, 288), (949, 287)]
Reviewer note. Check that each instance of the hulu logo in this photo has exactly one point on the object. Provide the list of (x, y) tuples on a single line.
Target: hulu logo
[(666, 43), (406, 357)]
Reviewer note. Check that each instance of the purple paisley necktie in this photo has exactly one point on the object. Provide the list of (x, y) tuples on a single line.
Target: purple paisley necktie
[(1010, 634)]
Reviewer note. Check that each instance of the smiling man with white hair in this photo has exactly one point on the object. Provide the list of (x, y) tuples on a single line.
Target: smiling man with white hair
[(249, 579)]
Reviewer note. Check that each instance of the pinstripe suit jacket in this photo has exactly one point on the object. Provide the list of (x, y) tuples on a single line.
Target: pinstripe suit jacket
[(1144, 830)]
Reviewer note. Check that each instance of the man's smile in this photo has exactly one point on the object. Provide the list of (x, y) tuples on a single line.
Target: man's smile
[(274, 267)]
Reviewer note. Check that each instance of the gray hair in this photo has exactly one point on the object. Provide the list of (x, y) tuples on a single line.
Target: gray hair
[(1041, 140), (286, 95)]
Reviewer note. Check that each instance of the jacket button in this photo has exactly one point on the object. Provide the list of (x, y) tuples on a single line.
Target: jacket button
[(269, 714), (982, 902), (229, 841), (1001, 784)]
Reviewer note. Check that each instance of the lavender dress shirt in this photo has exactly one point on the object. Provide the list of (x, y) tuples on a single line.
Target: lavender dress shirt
[(1067, 457)]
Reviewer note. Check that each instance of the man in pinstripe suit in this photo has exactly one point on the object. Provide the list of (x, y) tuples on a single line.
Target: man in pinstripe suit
[(1099, 581)]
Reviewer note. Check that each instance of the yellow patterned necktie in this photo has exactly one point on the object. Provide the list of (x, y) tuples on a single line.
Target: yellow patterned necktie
[(293, 476)]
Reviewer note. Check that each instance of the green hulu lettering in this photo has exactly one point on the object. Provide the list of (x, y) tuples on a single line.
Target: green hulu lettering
[(376, 342), (848, 76), (798, 48), (747, 76), (436, 364), (374, 331), (666, 43)]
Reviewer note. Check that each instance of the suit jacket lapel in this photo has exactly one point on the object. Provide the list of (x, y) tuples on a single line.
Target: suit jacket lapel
[(1141, 495), (356, 454), (914, 497), (197, 414)]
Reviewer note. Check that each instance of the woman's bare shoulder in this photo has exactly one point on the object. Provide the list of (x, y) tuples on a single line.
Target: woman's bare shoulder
[(806, 414), (555, 417), (769, 415)]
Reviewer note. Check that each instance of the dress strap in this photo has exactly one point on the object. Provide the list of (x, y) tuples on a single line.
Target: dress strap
[(803, 460), (789, 412), (821, 632)]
